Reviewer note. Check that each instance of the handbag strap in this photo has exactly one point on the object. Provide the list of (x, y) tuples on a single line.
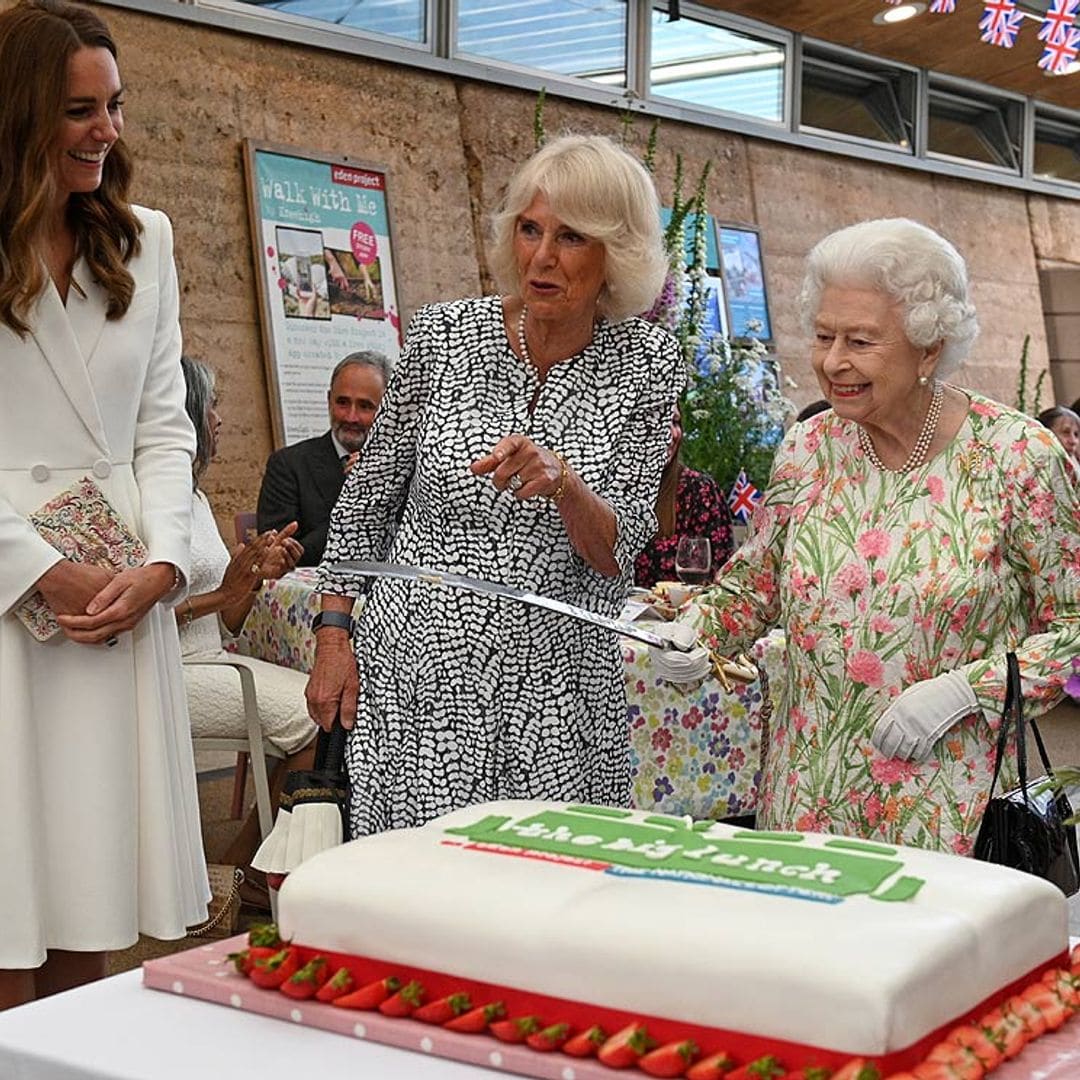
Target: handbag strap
[(1014, 709), (1012, 712)]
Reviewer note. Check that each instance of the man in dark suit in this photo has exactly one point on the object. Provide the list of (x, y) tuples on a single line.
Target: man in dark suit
[(302, 482)]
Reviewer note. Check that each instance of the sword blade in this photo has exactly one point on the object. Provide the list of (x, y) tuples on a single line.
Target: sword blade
[(479, 585)]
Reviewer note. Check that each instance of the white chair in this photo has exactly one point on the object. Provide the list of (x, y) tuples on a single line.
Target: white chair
[(254, 745)]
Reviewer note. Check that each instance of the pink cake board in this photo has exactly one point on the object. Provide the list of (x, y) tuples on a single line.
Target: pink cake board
[(204, 972)]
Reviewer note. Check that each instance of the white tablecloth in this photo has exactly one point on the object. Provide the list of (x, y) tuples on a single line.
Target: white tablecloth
[(117, 1029)]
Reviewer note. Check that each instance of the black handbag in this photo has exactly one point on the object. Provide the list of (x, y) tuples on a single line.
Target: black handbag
[(1025, 828)]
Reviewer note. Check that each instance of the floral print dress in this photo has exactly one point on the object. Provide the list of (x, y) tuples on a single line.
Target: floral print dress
[(700, 510), (882, 580)]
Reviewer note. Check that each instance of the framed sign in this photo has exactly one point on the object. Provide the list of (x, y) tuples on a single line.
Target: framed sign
[(324, 263), (744, 282)]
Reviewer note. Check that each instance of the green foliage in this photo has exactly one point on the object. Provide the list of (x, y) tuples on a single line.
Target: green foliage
[(733, 412), (1021, 388)]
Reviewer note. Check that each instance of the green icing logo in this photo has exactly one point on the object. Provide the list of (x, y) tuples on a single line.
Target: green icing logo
[(668, 847)]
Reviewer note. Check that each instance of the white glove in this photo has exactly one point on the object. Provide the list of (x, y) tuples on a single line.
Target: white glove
[(672, 665), (915, 720)]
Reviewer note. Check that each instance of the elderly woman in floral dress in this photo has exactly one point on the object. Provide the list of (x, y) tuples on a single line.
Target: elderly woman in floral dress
[(909, 538)]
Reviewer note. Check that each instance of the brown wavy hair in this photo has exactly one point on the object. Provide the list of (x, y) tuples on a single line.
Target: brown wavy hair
[(37, 39)]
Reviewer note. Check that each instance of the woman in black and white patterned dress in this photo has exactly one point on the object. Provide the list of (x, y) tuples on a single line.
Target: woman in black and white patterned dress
[(520, 440)]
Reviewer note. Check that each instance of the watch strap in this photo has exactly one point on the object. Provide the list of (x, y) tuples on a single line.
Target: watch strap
[(340, 619)]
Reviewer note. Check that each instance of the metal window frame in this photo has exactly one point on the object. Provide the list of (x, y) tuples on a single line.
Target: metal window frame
[(857, 63), (965, 91), (439, 55)]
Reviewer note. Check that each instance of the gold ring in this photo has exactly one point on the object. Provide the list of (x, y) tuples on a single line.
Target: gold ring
[(255, 568)]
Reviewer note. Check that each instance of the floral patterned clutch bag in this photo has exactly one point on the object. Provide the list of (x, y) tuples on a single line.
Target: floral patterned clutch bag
[(82, 525)]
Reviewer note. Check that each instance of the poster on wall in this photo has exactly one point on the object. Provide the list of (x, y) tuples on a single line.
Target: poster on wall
[(744, 282), (324, 260)]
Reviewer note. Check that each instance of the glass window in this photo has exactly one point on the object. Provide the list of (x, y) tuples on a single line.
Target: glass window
[(1057, 149), (394, 18), (985, 130), (844, 96), (584, 38), (702, 64)]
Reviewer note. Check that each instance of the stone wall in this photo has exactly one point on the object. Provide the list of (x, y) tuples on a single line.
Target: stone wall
[(194, 92)]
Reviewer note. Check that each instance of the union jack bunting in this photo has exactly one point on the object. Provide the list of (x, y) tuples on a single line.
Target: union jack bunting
[(1001, 31), (1058, 55), (743, 498), (995, 13), (1057, 22), (942, 7)]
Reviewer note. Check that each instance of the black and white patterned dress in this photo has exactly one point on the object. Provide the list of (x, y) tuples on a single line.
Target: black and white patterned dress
[(466, 698)]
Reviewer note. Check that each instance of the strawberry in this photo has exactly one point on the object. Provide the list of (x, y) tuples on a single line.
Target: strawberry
[(476, 1020), (549, 1038), (265, 935), (369, 996), (408, 998), (1029, 1014), (764, 1068), (585, 1043), (445, 1008), (714, 1067), (1066, 986), (338, 985), (671, 1059), (272, 971), (1048, 1003), (933, 1070), (979, 1043), (856, 1069), (1007, 1030), (964, 1063), (244, 961), (811, 1072), (626, 1047), (305, 982), (515, 1031), (1074, 956)]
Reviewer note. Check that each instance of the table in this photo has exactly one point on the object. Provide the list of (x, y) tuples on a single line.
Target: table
[(693, 750), (116, 1029)]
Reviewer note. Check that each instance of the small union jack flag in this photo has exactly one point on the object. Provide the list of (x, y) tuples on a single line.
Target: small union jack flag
[(942, 7), (1058, 55), (1001, 30), (1057, 22), (743, 498)]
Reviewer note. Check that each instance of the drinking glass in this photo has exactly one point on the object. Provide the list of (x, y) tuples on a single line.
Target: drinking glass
[(693, 558)]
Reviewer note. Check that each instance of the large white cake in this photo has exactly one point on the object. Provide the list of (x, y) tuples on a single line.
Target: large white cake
[(856, 947)]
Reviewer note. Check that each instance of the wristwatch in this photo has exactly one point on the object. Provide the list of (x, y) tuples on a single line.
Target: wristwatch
[(334, 618)]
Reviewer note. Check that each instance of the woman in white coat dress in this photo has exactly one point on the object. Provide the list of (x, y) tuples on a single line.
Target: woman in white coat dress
[(100, 835)]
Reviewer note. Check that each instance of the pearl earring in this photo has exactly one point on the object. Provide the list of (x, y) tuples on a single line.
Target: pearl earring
[(923, 380)]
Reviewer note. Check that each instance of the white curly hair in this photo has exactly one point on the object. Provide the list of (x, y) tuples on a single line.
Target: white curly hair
[(909, 262)]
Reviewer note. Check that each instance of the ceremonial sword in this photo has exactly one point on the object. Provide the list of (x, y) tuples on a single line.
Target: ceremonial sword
[(495, 588)]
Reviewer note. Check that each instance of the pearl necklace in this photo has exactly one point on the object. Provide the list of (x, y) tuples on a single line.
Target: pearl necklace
[(521, 337), (917, 456)]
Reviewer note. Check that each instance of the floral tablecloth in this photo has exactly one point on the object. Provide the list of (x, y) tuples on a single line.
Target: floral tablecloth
[(693, 750)]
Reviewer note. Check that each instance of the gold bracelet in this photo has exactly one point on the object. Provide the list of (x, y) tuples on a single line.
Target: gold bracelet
[(556, 496), (189, 615)]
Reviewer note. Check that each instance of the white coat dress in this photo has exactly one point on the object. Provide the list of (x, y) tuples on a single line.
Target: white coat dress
[(99, 822)]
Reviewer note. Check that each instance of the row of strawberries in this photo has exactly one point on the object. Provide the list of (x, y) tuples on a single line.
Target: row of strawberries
[(967, 1053), (975, 1050)]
